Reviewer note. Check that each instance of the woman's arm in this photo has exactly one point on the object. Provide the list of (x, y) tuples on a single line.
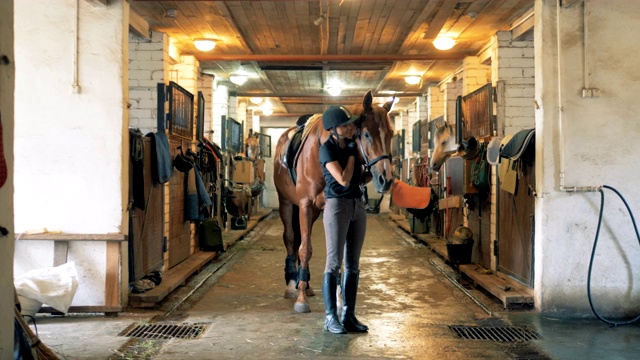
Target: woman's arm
[(342, 176)]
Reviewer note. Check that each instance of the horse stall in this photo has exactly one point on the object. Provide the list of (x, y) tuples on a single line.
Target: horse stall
[(465, 193), (173, 191), (477, 124)]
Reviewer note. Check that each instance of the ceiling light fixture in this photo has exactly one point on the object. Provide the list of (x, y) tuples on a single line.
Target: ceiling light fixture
[(238, 79), (334, 90), (204, 44), (255, 100), (267, 108), (443, 42), (412, 79)]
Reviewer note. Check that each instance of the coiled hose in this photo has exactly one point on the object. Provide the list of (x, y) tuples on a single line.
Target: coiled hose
[(593, 253)]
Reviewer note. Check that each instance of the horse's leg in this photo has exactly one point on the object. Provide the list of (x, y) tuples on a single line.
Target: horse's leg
[(308, 216), (296, 247), (286, 210)]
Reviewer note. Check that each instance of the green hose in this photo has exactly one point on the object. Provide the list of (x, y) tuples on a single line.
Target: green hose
[(593, 253)]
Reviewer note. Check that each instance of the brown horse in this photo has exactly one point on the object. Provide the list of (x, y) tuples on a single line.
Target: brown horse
[(307, 193), (252, 144)]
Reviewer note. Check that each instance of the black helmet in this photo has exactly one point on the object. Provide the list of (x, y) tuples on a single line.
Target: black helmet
[(336, 116)]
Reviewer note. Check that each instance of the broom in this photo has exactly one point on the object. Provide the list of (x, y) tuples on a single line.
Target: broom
[(41, 350)]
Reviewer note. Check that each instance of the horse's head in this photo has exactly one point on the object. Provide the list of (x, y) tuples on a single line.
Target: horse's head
[(374, 140), (253, 146), (445, 145)]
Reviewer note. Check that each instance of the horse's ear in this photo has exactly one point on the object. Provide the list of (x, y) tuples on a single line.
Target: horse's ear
[(367, 101), (389, 104)]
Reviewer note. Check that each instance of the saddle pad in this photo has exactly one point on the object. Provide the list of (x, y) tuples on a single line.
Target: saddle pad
[(292, 148), (406, 196), (291, 153), (517, 144)]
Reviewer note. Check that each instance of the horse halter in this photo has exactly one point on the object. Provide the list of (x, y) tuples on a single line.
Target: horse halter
[(368, 164)]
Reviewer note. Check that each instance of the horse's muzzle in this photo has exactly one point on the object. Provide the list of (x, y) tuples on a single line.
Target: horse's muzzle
[(382, 184)]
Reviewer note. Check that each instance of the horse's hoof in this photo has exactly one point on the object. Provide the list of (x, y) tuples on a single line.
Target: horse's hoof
[(301, 308), (291, 294), (309, 292)]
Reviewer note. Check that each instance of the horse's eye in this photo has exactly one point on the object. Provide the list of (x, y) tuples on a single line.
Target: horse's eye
[(367, 135)]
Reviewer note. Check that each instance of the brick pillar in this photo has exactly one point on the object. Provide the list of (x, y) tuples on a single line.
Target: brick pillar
[(146, 69), (452, 90), (514, 75), (220, 107), (474, 74), (435, 105), (205, 85)]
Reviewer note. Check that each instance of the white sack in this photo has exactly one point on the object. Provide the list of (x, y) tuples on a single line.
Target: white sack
[(55, 286)]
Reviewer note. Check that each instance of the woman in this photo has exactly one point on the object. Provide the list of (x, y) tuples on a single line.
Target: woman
[(344, 218)]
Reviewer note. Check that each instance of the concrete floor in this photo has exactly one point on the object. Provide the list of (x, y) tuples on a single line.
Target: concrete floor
[(406, 301)]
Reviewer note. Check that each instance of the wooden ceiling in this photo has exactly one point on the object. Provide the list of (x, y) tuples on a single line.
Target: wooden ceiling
[(292, 50)]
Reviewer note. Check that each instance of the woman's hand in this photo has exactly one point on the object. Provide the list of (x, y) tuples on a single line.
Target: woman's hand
[(352, 147)]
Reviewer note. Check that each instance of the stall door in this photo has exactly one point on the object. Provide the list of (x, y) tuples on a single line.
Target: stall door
[(179, 242), (516, 227), (146, 222)]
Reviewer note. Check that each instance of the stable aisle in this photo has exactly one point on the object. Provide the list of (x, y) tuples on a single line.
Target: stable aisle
[(407, 304)]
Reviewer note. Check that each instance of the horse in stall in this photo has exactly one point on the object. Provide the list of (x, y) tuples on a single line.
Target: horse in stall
[(237, 196), (301, 201), (444, 145)]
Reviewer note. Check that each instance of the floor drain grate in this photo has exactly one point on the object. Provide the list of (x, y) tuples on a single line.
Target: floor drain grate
[(504, 333), (164, 331)]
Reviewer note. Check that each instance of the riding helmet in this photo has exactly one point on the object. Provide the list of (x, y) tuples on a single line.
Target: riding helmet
[(336, 116)]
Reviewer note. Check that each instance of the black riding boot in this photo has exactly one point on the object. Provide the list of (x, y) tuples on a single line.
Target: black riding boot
[(349, 291), (331, 321)]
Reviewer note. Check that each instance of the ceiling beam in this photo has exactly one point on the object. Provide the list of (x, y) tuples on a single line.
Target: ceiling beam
[(523, 25), (440, 19), (329, 58), (323, 96)]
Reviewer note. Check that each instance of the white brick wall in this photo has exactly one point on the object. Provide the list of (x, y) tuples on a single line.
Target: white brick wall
[(452, 90), (146, 70), (435, 105), (514, 66), (220, 107), (474, 74), (205, 85)]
